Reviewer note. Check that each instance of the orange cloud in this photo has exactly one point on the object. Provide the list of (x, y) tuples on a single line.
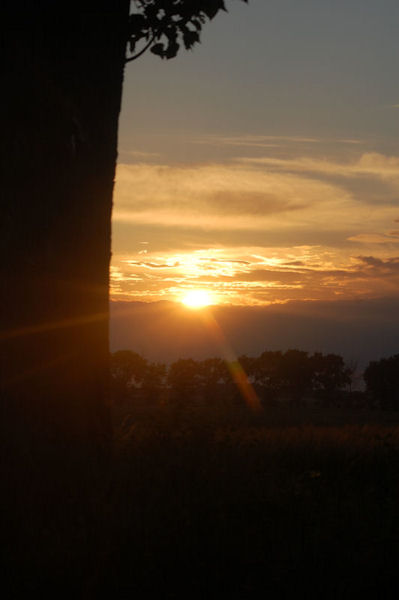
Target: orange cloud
[(260, 231)]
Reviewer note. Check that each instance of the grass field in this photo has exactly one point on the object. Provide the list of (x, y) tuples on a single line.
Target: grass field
[(202, 504), (287, 504)]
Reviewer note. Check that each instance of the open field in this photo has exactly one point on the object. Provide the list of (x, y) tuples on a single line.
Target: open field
[(163, 417), (289, 504)]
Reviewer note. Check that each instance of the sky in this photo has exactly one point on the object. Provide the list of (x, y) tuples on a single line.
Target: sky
[(263, 166)]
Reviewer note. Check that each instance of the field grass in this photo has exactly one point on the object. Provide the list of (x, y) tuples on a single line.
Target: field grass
[(201, 504), (287, 504)]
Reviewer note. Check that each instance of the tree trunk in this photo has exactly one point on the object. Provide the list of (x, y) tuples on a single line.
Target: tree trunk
[(61, 92), (62, 87)]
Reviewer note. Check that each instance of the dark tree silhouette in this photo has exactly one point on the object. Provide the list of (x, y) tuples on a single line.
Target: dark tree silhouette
[(153, 382), (248, 363), (62, 75), (128, 369), (62, 86), (166, 25), (183, 379), (267, 373), (214, 375), (295, 374), (382, 380), (330, 375)]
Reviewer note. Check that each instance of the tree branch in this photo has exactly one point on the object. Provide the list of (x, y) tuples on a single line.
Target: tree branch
[(141, 51)]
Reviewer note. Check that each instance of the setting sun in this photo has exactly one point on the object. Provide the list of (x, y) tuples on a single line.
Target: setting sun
[(197, 299)]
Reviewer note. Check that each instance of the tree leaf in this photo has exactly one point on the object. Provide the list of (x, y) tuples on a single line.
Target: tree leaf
[(190, 38), (212, 7), (158, 49)]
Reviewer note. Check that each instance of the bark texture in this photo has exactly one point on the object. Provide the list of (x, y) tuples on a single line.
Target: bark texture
[(61, 93)]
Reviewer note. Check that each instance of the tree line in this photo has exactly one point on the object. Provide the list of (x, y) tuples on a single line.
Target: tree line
[(294, 376)]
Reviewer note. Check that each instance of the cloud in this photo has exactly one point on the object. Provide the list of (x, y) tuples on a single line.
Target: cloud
[(375, 238), (218, 199), (140, 155), (370, 164), (295, 263), (350, 141), (258, 279), (218, 196), (389, 266), (256, 232), (254, 141), (268, 141), (152, 265)]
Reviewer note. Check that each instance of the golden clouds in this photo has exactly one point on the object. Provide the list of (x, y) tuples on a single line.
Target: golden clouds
[(235, 197), (315, 274), (220, 196), (374, 238), (216, 188), (368, 164), (257, 230)]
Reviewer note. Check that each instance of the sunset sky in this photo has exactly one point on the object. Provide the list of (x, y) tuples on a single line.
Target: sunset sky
[(264, 166)]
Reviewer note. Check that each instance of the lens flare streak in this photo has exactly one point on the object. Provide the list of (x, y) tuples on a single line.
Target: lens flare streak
[(237, 372)]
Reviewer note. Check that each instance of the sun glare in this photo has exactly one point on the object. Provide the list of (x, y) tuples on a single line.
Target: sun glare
[(197, 299)]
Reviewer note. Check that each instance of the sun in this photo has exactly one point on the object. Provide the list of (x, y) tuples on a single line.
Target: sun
[(197, 299)]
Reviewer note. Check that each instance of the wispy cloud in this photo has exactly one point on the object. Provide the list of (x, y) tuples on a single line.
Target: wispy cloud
[(243, 197), (139, 155), (374, 238), (368, 164), (254, 141), (261, 279), (259, 230), (216, 197), (269, 141)]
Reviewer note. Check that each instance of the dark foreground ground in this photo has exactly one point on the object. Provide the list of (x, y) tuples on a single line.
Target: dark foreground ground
[(288, 504)]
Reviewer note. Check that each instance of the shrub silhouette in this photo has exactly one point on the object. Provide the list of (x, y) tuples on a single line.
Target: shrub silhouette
[(382, 380)]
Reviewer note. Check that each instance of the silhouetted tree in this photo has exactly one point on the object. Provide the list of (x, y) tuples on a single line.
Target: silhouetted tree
[(214, 375), (353, 373), (128, 369), (62, 75), (267, 373), (330, 375), (248, 363), (183, 379), (61, 91), (382, 380), (153, 382), (295, 373)]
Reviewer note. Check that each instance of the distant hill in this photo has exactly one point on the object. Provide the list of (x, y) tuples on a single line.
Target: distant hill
[(361, 330)]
